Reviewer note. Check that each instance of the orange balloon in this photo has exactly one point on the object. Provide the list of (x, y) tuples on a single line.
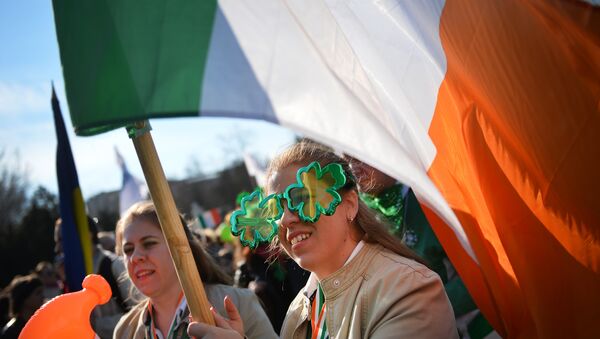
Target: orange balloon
[(68, 315)]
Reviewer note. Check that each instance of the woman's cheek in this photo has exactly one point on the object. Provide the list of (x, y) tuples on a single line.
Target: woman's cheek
[(128, 267)]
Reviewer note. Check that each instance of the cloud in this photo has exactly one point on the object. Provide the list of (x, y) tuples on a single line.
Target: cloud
[(18, 98)]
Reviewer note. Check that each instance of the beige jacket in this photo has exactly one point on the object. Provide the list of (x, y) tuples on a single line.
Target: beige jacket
[(256, 323), (378, 294)]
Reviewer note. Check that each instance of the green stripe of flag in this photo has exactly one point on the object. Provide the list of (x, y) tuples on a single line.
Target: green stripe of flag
[(125, 61)]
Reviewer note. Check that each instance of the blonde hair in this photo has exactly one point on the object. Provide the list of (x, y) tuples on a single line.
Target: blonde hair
[(145, 210), (372, 229)]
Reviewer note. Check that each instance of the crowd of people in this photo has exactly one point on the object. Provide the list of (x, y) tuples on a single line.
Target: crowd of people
[(352, 256)]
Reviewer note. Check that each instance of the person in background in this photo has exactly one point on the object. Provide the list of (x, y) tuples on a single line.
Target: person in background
[(164, 312), (364, 282), (220, 251), (26, 295), (269, 279), (59, 267), (112, 269), (107, 241), (47, 274), (397, 204)]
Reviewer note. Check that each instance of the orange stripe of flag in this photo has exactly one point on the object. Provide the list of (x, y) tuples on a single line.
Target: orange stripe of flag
[(518, 159)]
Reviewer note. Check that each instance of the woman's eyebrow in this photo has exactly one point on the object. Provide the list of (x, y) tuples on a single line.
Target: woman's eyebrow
[(148, 237), (141, 239)]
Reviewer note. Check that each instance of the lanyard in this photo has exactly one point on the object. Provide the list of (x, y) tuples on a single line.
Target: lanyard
[(317, 322), (153, 331)]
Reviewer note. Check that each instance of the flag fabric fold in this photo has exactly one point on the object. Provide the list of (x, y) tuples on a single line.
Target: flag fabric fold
[(488, 110), (517, 160), (75, 236), (132, 189)]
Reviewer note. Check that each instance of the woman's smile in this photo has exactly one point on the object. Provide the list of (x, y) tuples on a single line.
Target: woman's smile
[(301, 243), (143, 274), (298, 238)]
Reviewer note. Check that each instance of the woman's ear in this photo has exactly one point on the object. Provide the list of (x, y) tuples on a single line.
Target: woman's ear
[(351, 202)]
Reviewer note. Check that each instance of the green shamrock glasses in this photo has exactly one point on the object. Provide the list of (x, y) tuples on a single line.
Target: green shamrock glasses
[(315, 192)]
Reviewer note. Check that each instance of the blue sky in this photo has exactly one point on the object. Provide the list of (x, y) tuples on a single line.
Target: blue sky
[(29, 62)]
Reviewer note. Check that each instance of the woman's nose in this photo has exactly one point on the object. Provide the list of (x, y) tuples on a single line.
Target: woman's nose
[(289, 217), (138, 255)]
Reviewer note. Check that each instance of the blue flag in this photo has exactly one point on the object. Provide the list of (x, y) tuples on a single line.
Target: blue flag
[(76, 239)]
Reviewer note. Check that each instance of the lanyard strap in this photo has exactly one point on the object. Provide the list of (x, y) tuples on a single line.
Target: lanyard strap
[(153, 333), (317, 320)]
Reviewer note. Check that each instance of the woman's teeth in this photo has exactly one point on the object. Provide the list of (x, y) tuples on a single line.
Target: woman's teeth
[(143, 274), (299, 238)]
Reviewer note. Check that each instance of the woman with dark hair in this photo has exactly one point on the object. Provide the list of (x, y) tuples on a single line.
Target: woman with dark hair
[(164, 312), (364, 282), (26, 295)]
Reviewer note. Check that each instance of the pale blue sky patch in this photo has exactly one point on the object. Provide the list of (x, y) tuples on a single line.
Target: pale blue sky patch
[(19, 99)]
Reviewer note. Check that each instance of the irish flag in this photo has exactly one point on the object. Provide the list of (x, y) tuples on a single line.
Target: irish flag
[(489, 110)]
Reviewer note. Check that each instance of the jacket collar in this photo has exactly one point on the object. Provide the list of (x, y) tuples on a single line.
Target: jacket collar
[(311, 284), (339, 281), (334, 285)]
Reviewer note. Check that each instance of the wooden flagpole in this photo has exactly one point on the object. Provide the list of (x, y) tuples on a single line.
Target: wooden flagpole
[(187, 272)]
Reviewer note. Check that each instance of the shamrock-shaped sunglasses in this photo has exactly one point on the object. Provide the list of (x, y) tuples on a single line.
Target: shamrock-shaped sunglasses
[(315, 192)]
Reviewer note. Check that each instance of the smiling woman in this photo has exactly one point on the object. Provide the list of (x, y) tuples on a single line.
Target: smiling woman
[(164, 313), (365, 283)]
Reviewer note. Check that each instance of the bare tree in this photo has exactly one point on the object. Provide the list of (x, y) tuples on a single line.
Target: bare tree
[(195, 168), (13, 192), (233, 143)]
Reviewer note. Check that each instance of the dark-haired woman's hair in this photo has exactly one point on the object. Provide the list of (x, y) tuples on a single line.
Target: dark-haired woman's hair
[(209, 271), (373, 230), (20, 288)]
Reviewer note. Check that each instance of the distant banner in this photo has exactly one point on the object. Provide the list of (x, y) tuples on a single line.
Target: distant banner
[(210, 219), (133, 190)]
